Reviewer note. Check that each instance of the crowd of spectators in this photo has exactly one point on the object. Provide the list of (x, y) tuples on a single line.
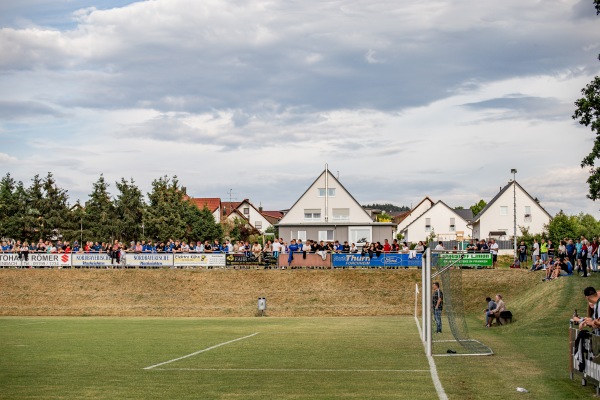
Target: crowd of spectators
[(571, 256), (117, 249)]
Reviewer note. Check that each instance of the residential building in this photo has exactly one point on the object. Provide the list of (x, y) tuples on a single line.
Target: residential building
[(497, 219), (439, 219), (327, 211)]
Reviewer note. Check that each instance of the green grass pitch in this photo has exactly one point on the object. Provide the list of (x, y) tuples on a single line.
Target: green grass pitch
[(285, 358)]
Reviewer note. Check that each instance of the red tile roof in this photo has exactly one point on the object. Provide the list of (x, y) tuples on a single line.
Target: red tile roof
[(212, 203)]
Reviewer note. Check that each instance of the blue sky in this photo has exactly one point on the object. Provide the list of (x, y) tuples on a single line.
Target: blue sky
[(404, 99)]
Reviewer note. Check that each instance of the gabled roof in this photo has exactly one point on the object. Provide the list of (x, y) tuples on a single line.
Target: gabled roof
[(229, 206), (497, 196), (337, 182), (212, 203), (465, 213), (273, 214), (430, 208), (402, 218)]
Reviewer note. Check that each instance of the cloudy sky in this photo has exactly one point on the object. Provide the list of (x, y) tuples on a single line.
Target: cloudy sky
[(402, 98)]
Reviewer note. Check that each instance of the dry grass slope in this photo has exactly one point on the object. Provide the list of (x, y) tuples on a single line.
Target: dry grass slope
[(201, 293)]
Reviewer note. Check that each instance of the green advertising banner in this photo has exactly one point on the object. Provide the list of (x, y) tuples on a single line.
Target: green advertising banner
[(470, 259)]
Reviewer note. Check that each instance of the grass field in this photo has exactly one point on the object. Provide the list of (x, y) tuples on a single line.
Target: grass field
[(324, 356), (287, 358)]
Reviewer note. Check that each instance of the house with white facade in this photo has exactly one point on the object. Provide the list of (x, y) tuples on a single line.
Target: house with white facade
[(497, 219), (249, 212), (327, 211), (414, 213), (445, 222)]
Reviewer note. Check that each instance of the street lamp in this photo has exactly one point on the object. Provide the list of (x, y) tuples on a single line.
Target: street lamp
[(514, 172)]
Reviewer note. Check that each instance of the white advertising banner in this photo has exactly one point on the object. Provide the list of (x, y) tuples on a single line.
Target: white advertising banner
[(45, 260), (90, 260), (36, 260), (149, 259), (9, 260), (199, 260)]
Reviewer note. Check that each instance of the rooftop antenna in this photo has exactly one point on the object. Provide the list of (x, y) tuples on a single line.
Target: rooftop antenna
[(231, 198)]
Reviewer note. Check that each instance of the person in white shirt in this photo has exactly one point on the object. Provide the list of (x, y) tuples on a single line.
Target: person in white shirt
[(494, 250), (440, 246)]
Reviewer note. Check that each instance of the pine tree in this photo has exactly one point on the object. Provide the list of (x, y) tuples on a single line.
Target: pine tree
[(99, 217), (129, 209), (9, 208)]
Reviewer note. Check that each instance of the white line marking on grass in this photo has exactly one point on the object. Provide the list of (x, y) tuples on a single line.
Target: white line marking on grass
[(291, 370), (28, 323), (201, 351), (434, 375)]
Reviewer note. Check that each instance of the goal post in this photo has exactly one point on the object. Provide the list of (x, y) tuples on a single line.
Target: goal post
[(454, 339)]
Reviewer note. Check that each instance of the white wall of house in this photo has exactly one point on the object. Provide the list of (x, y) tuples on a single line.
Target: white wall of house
[(500, 215), (419, 209), (439, 218), (311, 207), (255, 218)]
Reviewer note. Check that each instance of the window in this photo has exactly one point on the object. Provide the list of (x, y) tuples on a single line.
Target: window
[(527, 214), (246, 210), (427, 224), (452, 225), (330, 192), (302, 235), (312, 214), (258, 224), (326, 235), (341, 214), (503, 210), (359, 235)]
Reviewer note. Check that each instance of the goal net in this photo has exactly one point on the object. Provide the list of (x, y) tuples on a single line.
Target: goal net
[(444, 331)]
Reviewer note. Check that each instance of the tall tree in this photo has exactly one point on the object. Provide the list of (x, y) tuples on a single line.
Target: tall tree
[(9, 208), (99, 217), (55, 207), (587, 113), (129, 208), (164, 214)]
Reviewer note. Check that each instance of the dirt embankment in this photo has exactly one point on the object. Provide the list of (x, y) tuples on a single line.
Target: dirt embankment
[(212, 293)]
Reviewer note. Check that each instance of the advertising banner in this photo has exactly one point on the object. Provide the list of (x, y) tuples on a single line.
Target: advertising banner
[(152, 260), (388, 260), (39, 260), (90, 260), (36, 260), (242, 259), (9, 260), (471, 259), (198, 260)]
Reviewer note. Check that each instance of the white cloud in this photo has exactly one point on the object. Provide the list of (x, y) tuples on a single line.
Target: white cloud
[(405, 99)]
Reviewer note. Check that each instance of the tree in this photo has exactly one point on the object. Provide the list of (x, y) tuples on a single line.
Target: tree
[(99, 217), (477, 207), (164, 214), (9, 208), (388, 207), (587, 113), (55, 207), (201, 224), (129, 210)]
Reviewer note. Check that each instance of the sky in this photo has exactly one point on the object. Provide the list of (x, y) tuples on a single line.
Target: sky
[(252, 99)]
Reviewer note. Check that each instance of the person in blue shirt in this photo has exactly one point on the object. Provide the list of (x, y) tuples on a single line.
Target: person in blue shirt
[(292, 248), (216, 247)]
